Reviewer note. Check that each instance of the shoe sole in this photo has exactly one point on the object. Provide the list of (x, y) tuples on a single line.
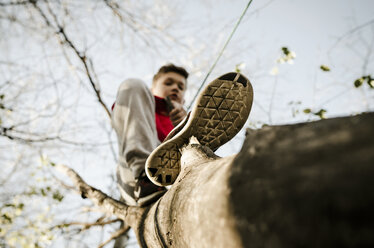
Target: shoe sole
[(221, 111)]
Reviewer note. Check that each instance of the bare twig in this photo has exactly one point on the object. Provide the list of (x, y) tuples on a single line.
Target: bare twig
[(87, 226), (11, 173), (64, 39), (18, 2), (272, 98), (5, 133), (353, 30), (18, 135), (115, 9), (115, 235)]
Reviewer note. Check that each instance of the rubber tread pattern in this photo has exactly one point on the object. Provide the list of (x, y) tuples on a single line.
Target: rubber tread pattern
[(221, 111)]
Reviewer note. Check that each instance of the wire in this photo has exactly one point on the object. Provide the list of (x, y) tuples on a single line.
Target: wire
[(220, 54)]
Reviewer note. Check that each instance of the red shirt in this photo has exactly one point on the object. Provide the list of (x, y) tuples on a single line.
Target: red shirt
[(163, 122)]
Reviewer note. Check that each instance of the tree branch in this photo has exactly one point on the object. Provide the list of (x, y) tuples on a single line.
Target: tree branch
[(86, 226), (353, 30), (64, 39), (106, 203), (18, 3), (13, 134)]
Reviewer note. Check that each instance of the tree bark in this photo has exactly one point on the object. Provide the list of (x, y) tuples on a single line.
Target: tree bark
[(303, 185), (306, 185)]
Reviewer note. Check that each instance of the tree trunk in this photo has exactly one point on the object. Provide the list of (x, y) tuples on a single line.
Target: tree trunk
[(308, 185), (303, 185)]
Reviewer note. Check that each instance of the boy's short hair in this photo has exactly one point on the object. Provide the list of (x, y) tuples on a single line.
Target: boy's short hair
[(170, 68)]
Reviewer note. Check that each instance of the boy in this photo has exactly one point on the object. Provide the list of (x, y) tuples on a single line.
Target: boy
[(142, 120)]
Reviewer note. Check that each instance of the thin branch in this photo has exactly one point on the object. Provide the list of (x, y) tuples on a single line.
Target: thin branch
[(368, 55), (87, 226), (272, 99), (11, 173), (133, 22), (5, 133), (18, 3), (64, 39), (114, 7), (261, 107), (13, 134), (115, 235), (110, 142), (353, 30), (345, 91)]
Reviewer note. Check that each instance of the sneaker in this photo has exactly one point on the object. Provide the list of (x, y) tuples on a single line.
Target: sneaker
[(144, 192), (221, 110)]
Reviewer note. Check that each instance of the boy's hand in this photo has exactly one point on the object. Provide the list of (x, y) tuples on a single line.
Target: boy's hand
[(177, 114)]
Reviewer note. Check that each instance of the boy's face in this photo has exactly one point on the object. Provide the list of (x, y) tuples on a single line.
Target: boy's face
[(170, 84)]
